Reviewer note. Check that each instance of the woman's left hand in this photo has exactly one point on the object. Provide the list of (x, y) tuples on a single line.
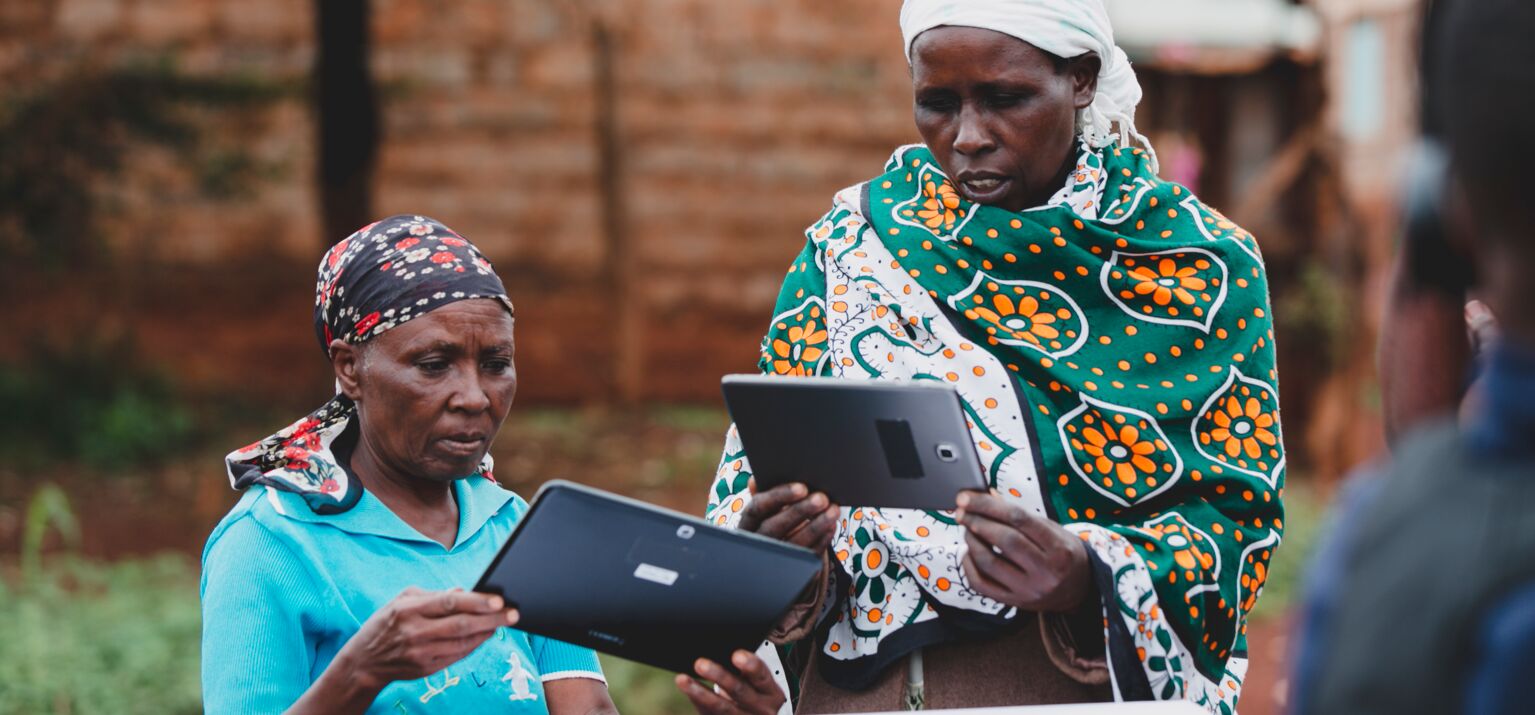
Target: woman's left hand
[(1020, 559)]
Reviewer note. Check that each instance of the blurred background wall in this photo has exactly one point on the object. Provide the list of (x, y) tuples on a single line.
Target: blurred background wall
[(640, 171)]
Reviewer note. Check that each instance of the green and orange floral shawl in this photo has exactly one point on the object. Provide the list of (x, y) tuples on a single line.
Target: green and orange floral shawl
[(1115, 355)]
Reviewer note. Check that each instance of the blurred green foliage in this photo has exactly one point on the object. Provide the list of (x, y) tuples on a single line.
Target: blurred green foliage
[(83, 637), (89, 401), (641, 452), (61, 139), (90, 637), (1316, 310), (642, 689), (1305, 521)]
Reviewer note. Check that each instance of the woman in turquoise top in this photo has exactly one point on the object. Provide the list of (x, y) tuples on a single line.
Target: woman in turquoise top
[(334, 585)]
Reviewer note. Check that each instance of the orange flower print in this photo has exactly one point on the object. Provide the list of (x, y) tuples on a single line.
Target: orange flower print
[(1120, 452), (1025, 313), (798, 350), (1184, 286), (1244, 428), (1020, 320), (1239, 426), (1216, 226), (1191, 549), (1168, 281), (797, 343), (940, 205)]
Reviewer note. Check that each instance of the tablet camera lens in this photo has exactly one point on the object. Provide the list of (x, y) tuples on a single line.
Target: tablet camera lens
[(685, 532), (948, 453)]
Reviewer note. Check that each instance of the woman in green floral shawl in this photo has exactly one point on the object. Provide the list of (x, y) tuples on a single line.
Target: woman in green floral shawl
[(1111, 338)]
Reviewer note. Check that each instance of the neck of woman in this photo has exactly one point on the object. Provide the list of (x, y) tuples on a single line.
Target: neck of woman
[(427, 505), (1051, 188)]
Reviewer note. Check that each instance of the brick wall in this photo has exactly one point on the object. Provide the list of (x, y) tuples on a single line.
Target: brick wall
[(737, 121)]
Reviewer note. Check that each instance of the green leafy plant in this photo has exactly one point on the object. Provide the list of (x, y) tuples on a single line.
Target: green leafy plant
[(49, 507), (89, 401)]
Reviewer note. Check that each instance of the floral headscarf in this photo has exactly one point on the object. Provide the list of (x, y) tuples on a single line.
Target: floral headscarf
[(386, 274)]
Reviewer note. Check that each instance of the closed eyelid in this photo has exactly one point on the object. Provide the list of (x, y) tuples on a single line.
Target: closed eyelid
[(439, 348), (1010, 90)]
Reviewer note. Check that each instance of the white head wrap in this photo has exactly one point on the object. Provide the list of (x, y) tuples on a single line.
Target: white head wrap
[(1064, 28)]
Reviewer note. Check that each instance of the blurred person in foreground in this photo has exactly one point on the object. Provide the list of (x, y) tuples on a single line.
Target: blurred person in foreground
[(1111, 338), (1424, 599), (334, 585)]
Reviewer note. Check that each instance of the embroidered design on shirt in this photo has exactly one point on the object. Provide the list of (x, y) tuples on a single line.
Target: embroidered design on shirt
[(448, 680), (520, 678)]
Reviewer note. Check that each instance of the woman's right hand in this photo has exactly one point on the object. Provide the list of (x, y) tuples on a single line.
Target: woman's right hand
[(791, 513), (421, 632), (752, 692), (415, 635)]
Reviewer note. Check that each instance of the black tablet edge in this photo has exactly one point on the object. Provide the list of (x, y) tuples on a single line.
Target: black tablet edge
[(555, 485)]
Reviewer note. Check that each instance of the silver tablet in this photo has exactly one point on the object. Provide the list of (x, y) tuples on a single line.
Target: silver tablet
[(864, 443)]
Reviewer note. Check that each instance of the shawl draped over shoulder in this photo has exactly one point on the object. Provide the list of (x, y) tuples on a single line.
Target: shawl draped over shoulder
[(1115, 355)]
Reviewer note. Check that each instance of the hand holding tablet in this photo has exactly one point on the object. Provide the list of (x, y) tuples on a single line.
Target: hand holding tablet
[(749, 690), (792, 514), (1020, 559), (673, 591)]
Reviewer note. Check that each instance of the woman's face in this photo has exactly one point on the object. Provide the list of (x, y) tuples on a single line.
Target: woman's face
[(997, 113), (432, 393)]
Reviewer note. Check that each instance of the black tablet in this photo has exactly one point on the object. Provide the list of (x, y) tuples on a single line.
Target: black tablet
[(643, 583), (862, 442)]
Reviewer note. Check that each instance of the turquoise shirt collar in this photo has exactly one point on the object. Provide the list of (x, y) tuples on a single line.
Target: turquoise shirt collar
[(479, 499)]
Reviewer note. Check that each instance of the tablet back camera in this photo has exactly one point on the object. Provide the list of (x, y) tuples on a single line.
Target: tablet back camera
[(947, 452), (900, 449), (685, 531)]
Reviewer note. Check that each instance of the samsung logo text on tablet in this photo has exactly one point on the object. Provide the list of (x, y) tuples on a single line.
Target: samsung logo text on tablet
[(609, 637), (655, 574)]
